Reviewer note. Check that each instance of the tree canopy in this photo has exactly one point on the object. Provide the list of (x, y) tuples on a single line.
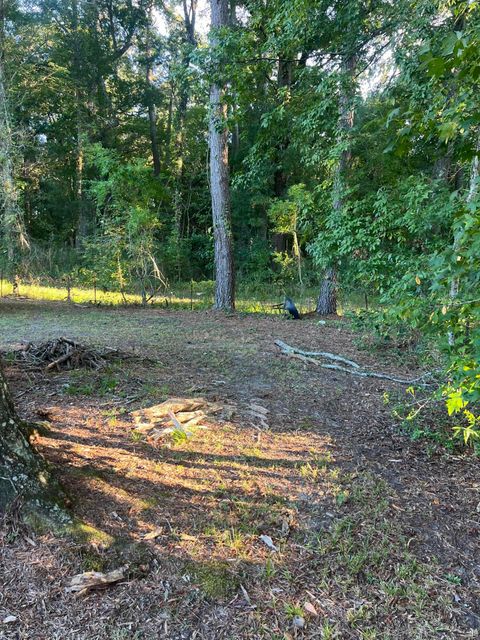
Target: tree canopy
[(351, 130)]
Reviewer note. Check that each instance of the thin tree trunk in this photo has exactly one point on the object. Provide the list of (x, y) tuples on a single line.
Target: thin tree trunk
[(168, 133), (82, 224), (82, 221), (219, 177), (152, 119), (280, 178), (472, 194), (189, 18), (12, 221), (298, 256), (152, 112), (327, 300)]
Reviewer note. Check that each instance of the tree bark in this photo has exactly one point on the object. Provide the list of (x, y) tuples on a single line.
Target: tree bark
[(471, 195), (190, 44), (11, 214), (24, 476), (152, 111), (82, 219), (219, 177), (327, 299)]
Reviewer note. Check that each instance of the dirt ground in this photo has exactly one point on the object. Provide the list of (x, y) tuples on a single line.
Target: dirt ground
[(375, 536)]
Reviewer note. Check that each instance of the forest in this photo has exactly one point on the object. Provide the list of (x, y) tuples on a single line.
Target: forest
[(239, 319)]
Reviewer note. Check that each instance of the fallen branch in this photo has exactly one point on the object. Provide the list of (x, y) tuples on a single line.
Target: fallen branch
[(312, 354), (373, 374), (59, 361), (308, 357)]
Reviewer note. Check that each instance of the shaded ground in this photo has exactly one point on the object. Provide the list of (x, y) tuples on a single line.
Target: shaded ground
[(377, 534)]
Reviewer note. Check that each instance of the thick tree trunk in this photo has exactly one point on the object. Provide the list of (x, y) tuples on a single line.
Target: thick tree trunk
[(327, 300), (24, 476), (219, 178)]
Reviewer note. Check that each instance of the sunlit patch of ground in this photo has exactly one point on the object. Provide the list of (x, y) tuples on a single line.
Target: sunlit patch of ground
[(352, 509)]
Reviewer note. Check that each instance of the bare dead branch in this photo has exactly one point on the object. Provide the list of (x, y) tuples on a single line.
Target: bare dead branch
[(353, 367)]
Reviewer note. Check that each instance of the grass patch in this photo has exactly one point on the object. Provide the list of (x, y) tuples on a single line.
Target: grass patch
[(364, 557), (250, 298), (87, 534), (215, 580)]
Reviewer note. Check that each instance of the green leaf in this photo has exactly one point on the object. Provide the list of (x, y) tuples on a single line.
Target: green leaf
[(436, 67), (455, 402)]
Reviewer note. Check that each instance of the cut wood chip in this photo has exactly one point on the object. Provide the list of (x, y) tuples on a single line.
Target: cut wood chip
[(157, 413), (9, 619), (175, 414), (258, 415), (151, 535), (84, 582), (269, 542), (246, 597), (309, 608)]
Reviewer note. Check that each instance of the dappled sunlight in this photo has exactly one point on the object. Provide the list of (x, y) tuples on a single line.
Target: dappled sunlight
[(208, 497), (281, 494)]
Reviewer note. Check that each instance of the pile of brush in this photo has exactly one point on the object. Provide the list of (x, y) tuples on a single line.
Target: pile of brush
[(62, 354)]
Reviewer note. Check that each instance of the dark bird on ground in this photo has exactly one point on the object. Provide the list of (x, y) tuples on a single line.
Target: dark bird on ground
[(289, 306)]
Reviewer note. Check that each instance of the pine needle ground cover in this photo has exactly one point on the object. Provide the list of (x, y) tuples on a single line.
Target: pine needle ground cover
[(300, 511)]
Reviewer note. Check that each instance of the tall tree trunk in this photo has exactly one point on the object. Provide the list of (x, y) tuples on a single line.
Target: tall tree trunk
[(152, 111), (11, 214), (152, 120), (219, 177), (189, 20), (327, 299), (168, 132), (82, 221), (280, 178), (471, 195)]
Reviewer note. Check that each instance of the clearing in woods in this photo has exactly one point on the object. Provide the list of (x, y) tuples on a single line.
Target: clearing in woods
[(376, 536)]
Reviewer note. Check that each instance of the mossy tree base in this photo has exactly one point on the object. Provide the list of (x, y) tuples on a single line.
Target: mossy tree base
[(25, 479)]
